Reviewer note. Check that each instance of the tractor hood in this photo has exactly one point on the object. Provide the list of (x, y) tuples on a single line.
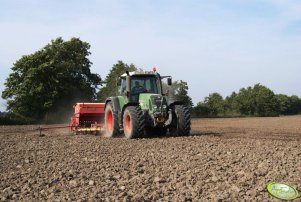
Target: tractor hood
[(152, 102)]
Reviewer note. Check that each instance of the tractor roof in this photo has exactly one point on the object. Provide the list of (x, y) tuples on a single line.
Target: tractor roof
[(141, 72)]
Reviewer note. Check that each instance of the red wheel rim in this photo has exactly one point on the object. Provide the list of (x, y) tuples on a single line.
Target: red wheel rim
[(110, 121), (127, 124)]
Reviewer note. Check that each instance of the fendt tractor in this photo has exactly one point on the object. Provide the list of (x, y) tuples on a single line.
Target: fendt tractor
[(142, 109)]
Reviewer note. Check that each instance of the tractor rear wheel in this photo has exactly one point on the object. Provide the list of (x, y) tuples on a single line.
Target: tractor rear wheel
[(180, 125), (133, 122), (111, 122)]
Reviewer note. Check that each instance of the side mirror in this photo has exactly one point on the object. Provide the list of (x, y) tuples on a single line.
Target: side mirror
[(119, 82), (169, 81)]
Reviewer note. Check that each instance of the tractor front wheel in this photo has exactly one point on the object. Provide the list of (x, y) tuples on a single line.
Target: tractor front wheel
[(133, 122), (111, 122), (180, 125)]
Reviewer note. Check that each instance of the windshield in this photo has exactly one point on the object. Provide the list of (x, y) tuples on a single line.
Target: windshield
[(145, 84)]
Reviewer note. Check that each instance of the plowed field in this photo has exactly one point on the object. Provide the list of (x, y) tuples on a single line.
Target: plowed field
[(223, 160)]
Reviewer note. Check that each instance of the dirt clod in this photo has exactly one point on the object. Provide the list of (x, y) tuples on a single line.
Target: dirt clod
[(73, 183)]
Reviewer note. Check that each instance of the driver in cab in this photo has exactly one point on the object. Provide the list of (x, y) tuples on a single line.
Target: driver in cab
[(138, 88)]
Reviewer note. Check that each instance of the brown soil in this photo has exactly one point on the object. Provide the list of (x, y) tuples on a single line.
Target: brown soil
[(222, 160)]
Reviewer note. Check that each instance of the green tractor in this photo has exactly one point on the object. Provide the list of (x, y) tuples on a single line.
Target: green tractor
[(141, 109)]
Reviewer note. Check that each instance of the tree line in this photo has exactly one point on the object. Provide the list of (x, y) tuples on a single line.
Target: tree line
[(251, 101), (43, 87)]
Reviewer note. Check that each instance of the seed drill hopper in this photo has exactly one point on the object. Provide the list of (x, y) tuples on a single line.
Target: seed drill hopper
[(88, 118)]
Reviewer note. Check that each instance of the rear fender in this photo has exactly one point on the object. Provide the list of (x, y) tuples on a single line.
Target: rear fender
[(172, 104)]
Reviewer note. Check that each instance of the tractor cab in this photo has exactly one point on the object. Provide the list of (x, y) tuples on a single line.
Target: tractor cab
[(134, 83), (138, 84)]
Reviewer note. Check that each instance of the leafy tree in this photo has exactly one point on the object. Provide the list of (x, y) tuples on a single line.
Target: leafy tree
[(288, 105), (256, 101), (244, 101), (201, 110), (110, 88), (215, 104), (295, 103), (231, 105), (284, 104), (265, 102), (50, 80)]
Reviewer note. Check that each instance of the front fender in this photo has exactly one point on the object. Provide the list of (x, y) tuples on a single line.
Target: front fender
[(115, 103)]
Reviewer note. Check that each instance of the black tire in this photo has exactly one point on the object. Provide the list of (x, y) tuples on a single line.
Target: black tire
[(133, 122), (180, 125), (111, 122)]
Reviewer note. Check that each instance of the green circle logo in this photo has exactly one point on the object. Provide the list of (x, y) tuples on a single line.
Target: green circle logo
[(282, 191)]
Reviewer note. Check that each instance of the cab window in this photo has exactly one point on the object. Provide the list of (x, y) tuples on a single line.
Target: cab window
[(122, 87)]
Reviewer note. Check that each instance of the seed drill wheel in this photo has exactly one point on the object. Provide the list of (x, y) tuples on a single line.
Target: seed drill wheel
[(111, 122), (180, 125), (133, 122)]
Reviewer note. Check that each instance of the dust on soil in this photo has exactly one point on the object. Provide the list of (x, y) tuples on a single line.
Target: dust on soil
[(222, 160)]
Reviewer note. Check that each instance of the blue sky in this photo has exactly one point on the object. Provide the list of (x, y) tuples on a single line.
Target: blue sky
[(216, 46)]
